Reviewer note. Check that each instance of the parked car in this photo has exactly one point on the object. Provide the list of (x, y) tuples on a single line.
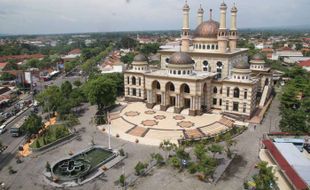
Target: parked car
[(2, 128)]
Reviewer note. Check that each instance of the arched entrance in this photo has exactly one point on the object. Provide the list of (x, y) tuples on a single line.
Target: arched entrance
[(204, 98), (170, 94), (156, 92), (185, 97)]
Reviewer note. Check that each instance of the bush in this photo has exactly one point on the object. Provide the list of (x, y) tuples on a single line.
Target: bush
[(159, 158), (192, 168), (51, 134), (139, 168), (48, 167), (122, 180), (175, 162), (122, 152)]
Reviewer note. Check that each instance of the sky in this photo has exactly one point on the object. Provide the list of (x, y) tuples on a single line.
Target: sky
[(78, 16)]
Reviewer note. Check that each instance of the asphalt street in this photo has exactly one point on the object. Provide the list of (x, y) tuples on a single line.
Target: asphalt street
[(14, 142)]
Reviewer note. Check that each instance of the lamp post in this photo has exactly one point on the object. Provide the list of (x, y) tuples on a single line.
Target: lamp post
[(109, 130)]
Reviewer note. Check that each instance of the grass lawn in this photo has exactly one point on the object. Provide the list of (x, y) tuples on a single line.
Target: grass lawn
[(95, 156), (51, 134)]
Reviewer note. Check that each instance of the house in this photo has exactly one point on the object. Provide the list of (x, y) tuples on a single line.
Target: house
[(73, 54), (305, 64), (2, 66)]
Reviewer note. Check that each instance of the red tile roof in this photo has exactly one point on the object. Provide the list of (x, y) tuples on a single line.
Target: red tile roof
[(2, 65), (21, 57), (297, 181), (75, 51), (304, 63), (267, 50)]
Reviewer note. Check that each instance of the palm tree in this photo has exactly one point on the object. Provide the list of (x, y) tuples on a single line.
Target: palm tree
[(167, 146)]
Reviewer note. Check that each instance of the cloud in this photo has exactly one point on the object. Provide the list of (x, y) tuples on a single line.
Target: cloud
[(60, 16)]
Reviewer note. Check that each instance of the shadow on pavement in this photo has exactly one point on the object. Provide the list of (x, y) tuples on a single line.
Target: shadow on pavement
[(235, 166), (5, 159)]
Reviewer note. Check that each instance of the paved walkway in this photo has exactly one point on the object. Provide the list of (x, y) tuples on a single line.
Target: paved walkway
[(137, 123)]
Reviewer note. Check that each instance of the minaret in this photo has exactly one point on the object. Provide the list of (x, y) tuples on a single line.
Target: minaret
[(233, 33), (222, 34), (200, 15), (185, 29)]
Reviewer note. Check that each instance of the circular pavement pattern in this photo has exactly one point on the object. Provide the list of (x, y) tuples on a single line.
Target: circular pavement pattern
[(149, 122), (132, 113), (159, 117), (185, 124), (178, 117), (150, 112)]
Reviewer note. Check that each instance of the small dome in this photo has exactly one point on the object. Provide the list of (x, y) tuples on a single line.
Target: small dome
[(258, 57), (180, 58), (234, 8), (200, 10), (242, 65), (207, 29), (223, 5), (140, 58), (186, 6)]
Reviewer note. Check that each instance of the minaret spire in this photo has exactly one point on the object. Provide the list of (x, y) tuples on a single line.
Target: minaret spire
[(233, 33), (210, 14), (185, 28), (200, 15), (222, 36)]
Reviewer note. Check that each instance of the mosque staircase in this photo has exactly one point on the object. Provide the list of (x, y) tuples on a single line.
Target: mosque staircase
[(264, 96)]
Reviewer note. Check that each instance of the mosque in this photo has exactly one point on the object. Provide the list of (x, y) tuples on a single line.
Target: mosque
[(208, 72)]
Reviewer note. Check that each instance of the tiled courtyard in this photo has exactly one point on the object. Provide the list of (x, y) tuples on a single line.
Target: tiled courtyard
[(136, 123)]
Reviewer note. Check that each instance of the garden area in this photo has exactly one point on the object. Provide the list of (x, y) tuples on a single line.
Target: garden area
[(50, 135), (80, 165), (207, 162)]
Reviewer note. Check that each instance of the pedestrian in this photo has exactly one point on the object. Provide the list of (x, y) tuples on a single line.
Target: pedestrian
[(254, 127)]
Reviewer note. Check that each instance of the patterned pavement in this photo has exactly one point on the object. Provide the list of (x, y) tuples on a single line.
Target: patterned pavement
[(151, 127)]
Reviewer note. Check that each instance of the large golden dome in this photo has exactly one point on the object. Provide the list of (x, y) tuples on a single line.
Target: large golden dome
[(207, 29)]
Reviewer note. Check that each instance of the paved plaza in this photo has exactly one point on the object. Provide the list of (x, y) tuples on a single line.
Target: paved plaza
[(150, 126)]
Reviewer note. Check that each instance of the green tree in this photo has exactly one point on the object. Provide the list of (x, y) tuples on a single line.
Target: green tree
[(147, 49), (101, 91), (200, 151), (32, 124), (128, 58), (215, 149), (77, 83), (265, 179), (7, 76), (128, 43), (66, 89), (50, 98), (10, 66)]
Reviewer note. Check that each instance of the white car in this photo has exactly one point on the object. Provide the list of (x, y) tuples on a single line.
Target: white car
[(2, 128)]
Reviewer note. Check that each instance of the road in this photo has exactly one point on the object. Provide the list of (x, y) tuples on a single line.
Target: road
[(13, 142)]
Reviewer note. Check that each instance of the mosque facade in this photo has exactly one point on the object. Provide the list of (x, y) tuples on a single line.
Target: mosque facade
[(207, 72)]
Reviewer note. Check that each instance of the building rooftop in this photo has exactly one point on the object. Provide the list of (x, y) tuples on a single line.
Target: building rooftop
[(296, 159), (196, 75), (295, 178)]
